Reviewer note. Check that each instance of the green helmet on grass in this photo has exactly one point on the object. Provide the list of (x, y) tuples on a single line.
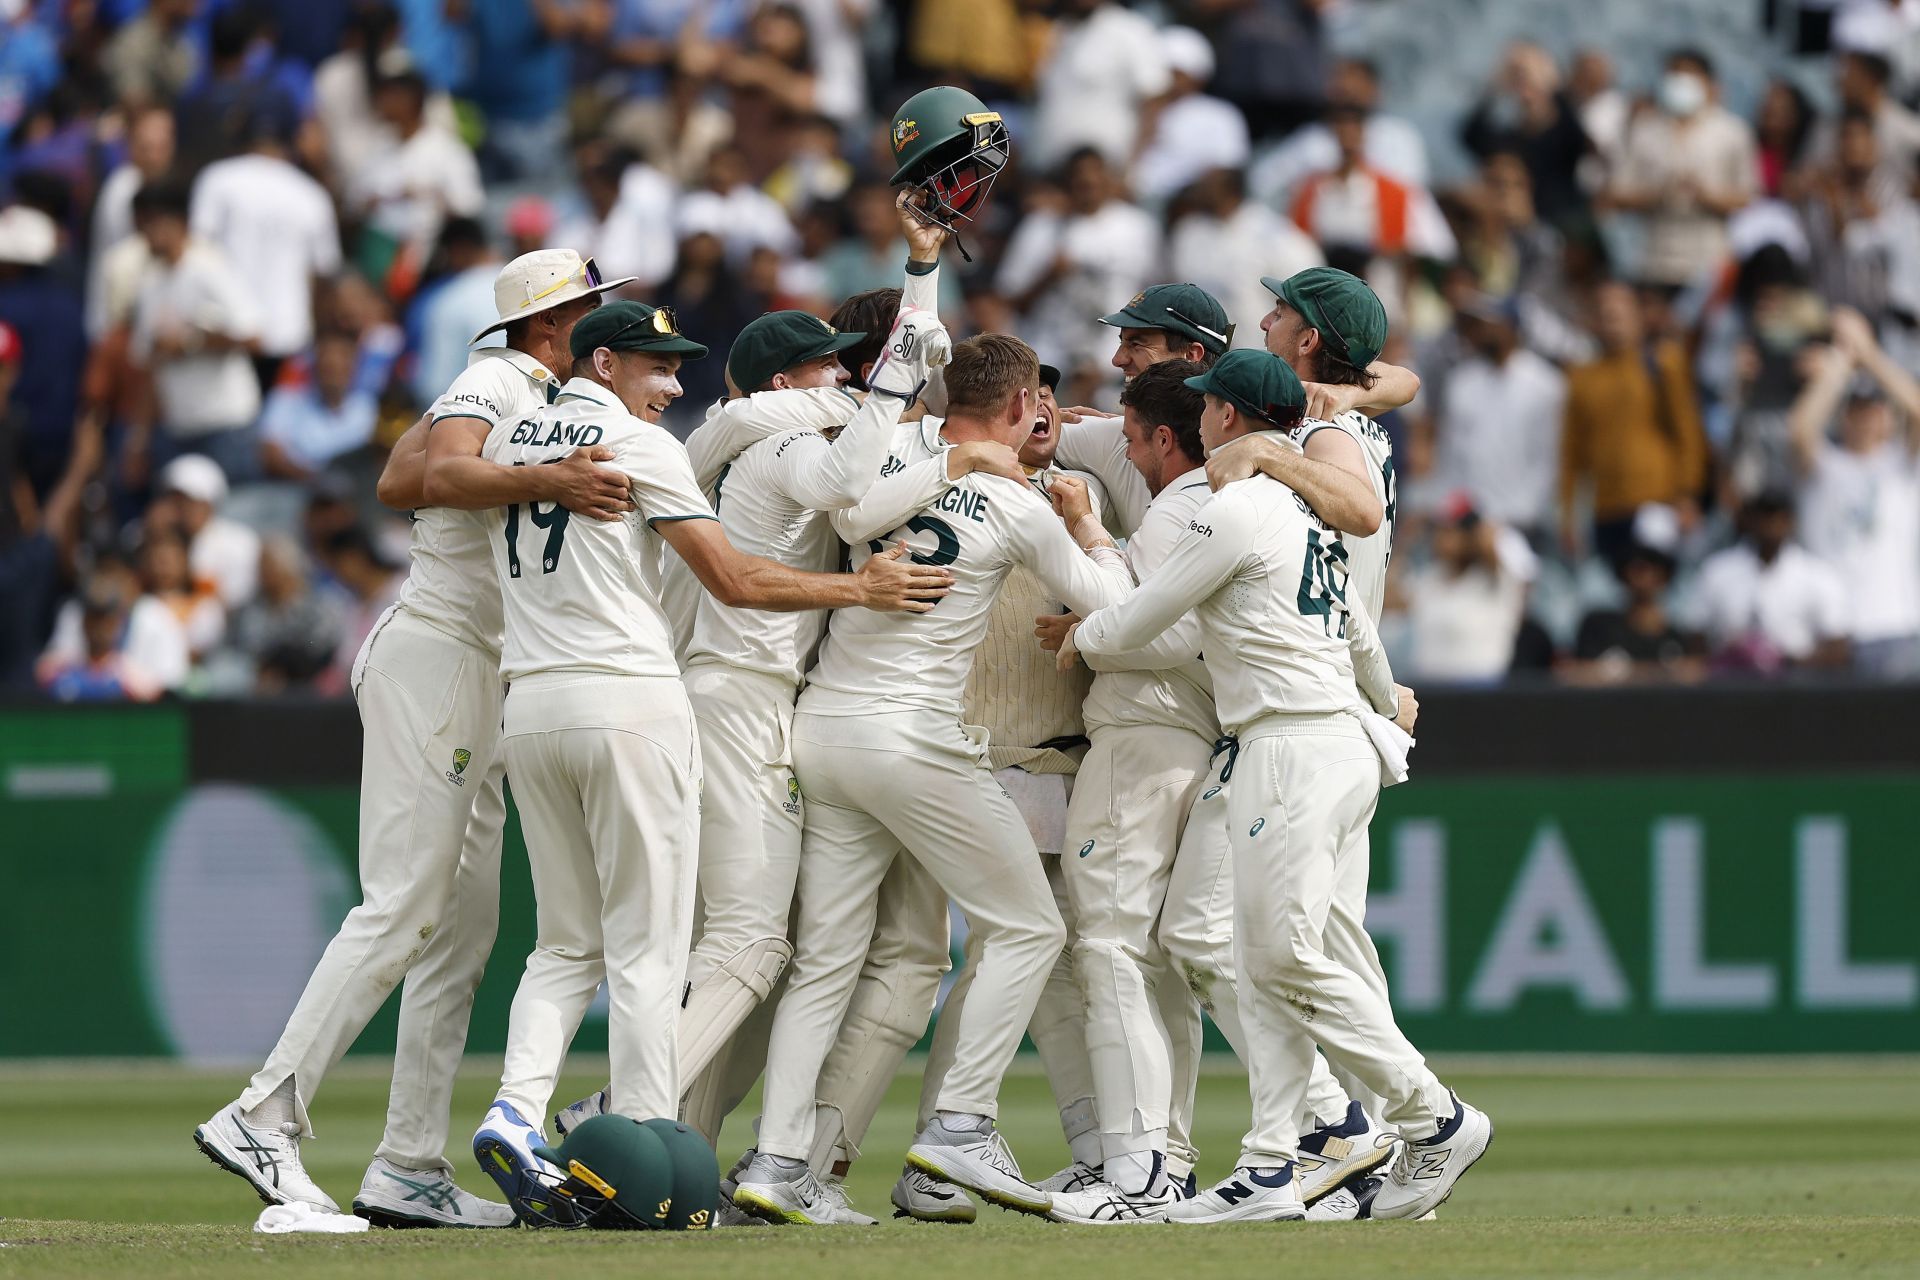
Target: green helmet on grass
[(617, 1176), (951, 146), (696, 1176)]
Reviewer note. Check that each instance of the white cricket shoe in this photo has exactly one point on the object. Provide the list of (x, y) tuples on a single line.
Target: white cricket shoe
[(503, 1144), (783, 1196), (1352, 1203), (1249, 1195), (268, 1158), (928, 1199), (977, 1160), (594, 1104), (1104, 1204), (391, 1196), (1422, 1173), (1334, 1153), (1077, 1176)]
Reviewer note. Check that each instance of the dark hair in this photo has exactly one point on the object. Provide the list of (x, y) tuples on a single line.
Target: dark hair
[(1335, 372), (871, 313), (1690, 55), (1159, 394), (1768, 502), (464, 232), (161, 196), (354, 541), (1856, 115), (988, 370), (1876, 66), (231, 31)]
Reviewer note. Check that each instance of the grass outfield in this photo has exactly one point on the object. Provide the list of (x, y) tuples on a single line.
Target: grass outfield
[(1736, 1169)]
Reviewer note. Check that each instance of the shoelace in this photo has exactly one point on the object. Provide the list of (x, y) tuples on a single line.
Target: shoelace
[(1001, 1155), (1400, 1172)]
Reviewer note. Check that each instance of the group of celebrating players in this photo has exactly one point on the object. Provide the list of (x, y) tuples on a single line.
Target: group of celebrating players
[(895, 660)]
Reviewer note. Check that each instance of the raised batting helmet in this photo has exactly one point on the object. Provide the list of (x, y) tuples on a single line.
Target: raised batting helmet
[(948, 144)]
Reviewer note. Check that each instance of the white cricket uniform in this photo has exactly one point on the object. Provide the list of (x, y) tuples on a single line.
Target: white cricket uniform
[(887, 766), (1367, 557), (1035, 738), (601, 745), (1150, 718), (427, 681), (1288, 640), (1098, 446)]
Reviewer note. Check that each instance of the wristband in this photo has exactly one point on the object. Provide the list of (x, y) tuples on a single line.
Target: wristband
[(921, 268)]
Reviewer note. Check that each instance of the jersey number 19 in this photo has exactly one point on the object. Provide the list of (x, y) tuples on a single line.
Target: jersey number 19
[(554, 522)]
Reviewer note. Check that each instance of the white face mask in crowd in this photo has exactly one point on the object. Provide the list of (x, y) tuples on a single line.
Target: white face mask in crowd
[(1682, 93)]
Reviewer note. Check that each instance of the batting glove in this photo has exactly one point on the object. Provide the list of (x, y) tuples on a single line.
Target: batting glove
[(918, 343)]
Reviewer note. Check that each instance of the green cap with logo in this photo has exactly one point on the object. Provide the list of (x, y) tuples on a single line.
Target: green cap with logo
[(780, 340), (1185, 309), (616, 1173), (631, 326), (1341, 306), (1256, 383)]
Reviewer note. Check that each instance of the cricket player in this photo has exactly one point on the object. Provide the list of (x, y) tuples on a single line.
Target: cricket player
[(1287, 642), (1031, 711), (599, 734), (887, 767), (427, 682)]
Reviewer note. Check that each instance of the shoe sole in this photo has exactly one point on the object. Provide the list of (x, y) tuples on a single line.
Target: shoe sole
[(1366, 1164), (499, 1162), (1219, 1219), (994, 1196), (395, 1219), (767, 1209), (220, 1160)]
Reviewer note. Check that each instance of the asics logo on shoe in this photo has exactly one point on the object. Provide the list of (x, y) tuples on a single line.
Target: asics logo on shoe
[(436, 1195), (264, 1161)]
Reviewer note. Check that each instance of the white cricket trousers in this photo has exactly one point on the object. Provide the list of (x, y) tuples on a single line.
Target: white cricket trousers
[(1303, 785), (430, 824), (606, 774), (1197, 934), (878, 785), (1129, 808)]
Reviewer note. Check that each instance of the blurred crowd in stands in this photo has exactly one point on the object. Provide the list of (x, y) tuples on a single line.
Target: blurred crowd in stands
[(1668, 421)]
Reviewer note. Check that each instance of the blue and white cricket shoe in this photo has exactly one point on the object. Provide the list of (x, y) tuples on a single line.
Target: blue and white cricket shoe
[(504, 1145), (1423, 1172), (567, 1120), (1248, 1195), (1335, 1153)]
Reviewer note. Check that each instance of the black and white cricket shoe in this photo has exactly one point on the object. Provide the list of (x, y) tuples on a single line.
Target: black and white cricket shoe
[(927, 1199), (1248, 1195), (1335, 1153), (268, 1158), (391, 1196), (1104, 1204), (980, 1161)]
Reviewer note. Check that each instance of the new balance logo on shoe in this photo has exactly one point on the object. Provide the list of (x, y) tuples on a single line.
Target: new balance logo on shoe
[(1234, 1192), (1432, 1161)]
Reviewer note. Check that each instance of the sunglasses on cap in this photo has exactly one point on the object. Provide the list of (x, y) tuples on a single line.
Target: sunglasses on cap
[(588, 275), (1224, 339), (662, 321)]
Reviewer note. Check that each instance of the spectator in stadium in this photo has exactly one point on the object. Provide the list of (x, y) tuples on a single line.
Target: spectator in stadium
[(288, 634), (1100, 86), (1863, 232), (1861, 79), (1466, 604), (152, 58), (1227, 242), (1499, 425), (710, 299), (221, 550), (1639, 642), (771, 82), (1687, 167), (217, 116), (343, 88), (29, 65), (521, 64), (37, 538), (1525, 111), (1782, 130), (1193, 132), (1632, 430), (1603, 110), (166, 576), (1860, 499), (988, 44), (812, 171), (1077, 254), (1766, 603), (730, 207), (40, 300), (1356, 207), (307, 425), (626, 224), (275, 225), (150, 151), (1392, 145), (195, 330), (870, 257), (1273, 59), (371, 584), (113, 641), (454, 304), (419, 175)]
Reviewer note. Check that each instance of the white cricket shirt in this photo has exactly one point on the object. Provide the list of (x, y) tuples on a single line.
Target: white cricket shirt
[(1282, 631), (1368, 557), (979, 527), (450, 583), (1098, 446), (583, 595)]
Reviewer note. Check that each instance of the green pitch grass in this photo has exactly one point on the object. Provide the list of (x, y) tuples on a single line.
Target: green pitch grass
[(1736, 1169)]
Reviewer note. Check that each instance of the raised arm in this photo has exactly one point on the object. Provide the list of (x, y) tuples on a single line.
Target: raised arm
[(896, 498), (1816, 404), (886, 582), (1393, 388), (1331, 475), (836, 478), (457, 476), (734, 427), (1199, 564)]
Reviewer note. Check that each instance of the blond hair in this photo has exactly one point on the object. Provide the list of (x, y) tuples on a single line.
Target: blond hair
[(989, 370)]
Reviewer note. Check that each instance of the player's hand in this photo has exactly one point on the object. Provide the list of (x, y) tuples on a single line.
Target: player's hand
[(917, 344), (1080, 411), (1325, 401), (1852, 333), (1068, 653), (1409, 708), (1071, 501), (1052, 629), (987, 457), (1238, 459), (923, 237), (895, 584), (599, 493)]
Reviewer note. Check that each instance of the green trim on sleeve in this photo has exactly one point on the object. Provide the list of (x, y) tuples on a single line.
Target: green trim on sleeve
[(921, 268), (448, 417), (654, 520)]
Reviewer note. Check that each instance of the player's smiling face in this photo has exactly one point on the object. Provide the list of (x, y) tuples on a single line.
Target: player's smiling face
[(647, 382), (1141, 349), (1044, 440)]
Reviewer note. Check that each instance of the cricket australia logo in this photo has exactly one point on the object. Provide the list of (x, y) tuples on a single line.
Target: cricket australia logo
[(904, 131), (792, 804), (461, 759)]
